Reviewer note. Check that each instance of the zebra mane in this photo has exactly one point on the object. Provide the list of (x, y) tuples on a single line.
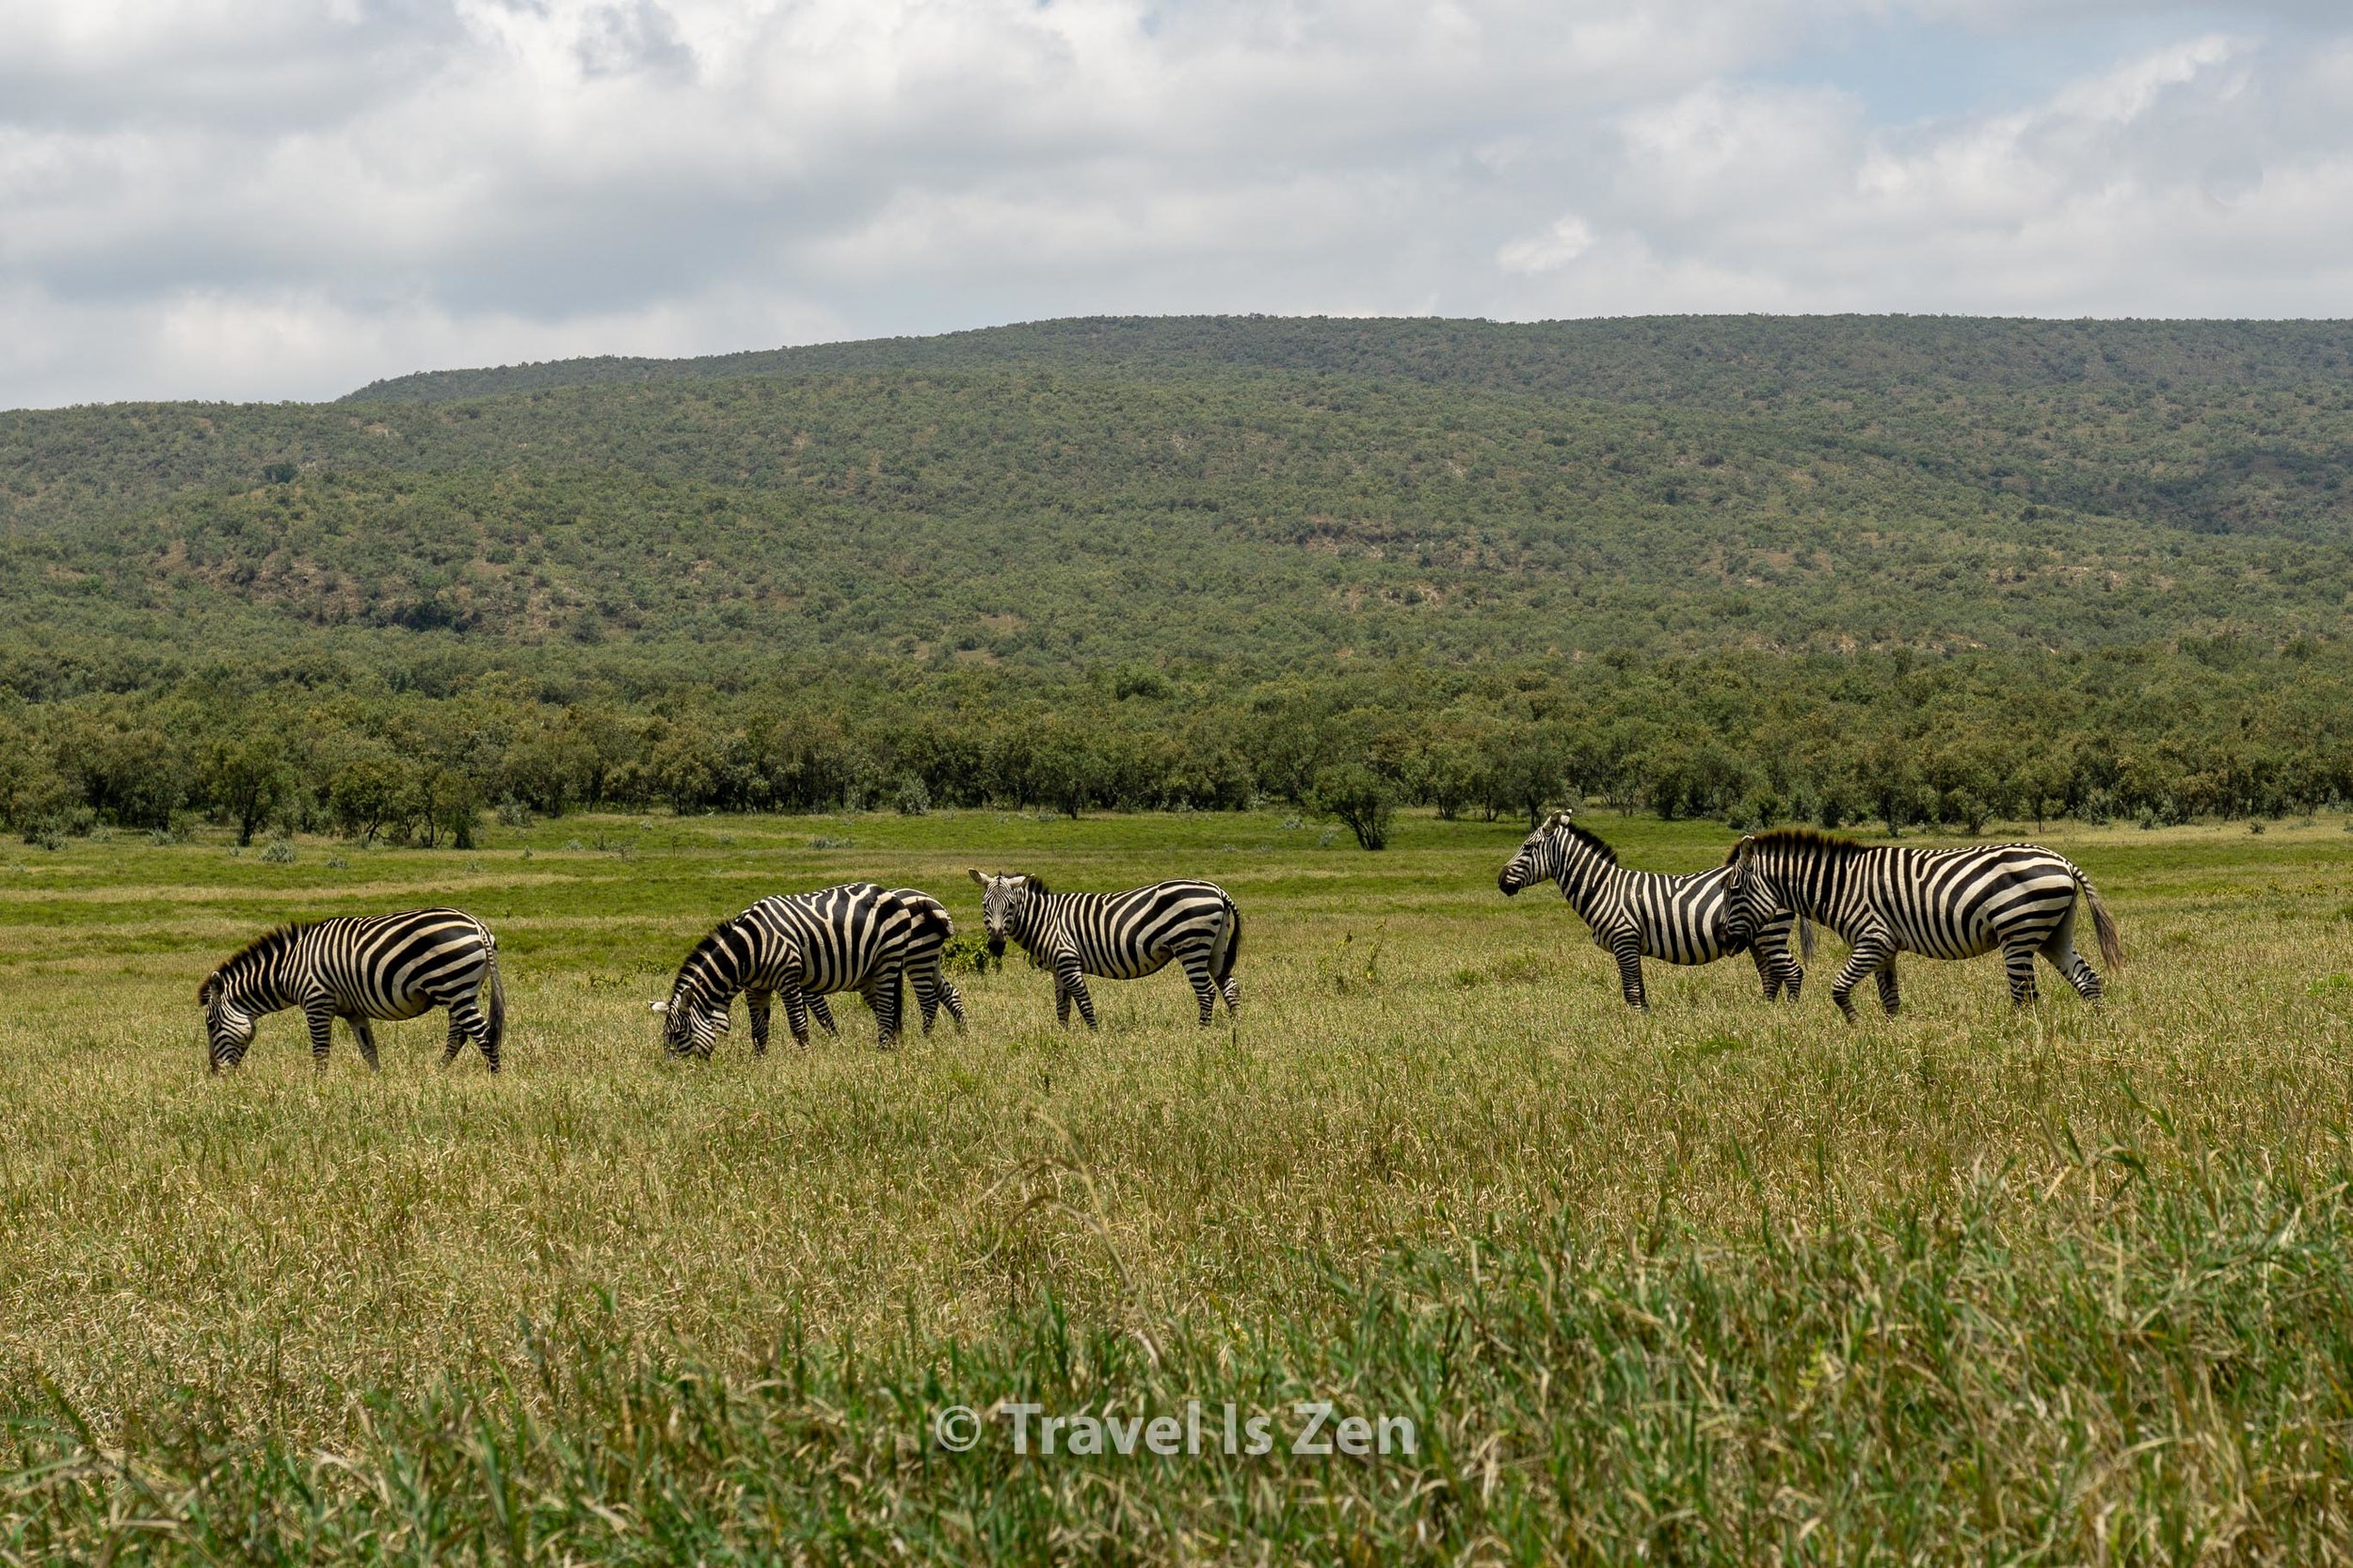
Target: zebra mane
[(1797, 838), (267, 944), (1037, 885), (709, 944), (1562, 822)]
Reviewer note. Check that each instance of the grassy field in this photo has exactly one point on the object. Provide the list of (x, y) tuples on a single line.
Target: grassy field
[(1716, 1283)]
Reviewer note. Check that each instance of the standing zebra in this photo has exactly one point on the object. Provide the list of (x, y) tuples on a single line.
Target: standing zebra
[(853, 937), (1939, 902), (1638, 915), (360, 967), (1118, 935)]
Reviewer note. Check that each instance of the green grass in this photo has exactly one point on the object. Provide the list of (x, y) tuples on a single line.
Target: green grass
[(1718, 1283)]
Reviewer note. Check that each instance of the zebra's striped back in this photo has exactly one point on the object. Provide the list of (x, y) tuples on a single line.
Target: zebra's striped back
[(360, 967)]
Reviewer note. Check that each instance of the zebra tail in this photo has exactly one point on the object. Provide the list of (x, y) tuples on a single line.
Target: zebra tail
[(1229, 946), (494, 1016), (2103, 923), (1805, 938)]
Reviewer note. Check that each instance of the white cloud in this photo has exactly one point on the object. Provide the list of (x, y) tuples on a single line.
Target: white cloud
[(275, 198), (1566, 240)]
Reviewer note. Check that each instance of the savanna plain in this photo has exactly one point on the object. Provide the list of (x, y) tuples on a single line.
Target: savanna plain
[(1721, 1281)]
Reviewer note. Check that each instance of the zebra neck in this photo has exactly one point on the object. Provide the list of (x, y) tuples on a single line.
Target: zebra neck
[(1816, 890), (1585, 882), (271, 987), (728, 967), (1038, 916)]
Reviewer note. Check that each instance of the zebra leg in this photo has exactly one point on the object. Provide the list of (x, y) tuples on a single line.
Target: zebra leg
[(1889, 1001), (1873, 954), (2018, 963), (822, 1014), (1627, 947), (1204, 988), (1232, 989), (954, 1002), (1768, 972), (755, 1004), (466, 1022), (1062, 1005), (1074, 985), (925, 979), (365, 1034), (320, 1015), (2059, 947), (796, 1002), (889, 1000)]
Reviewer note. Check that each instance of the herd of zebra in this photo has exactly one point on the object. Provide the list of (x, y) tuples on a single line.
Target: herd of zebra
[(868, 940)]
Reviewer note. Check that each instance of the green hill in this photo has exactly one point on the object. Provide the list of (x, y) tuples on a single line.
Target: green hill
[(1188, 510)]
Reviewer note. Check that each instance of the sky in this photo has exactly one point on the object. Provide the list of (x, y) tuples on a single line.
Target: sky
[(261, 199)]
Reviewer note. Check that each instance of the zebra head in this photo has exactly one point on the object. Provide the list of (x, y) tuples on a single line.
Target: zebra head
[(1004, 900), (691, 1023), (1538, 859), (1559, 851), (227, 1026), (1753, 900)]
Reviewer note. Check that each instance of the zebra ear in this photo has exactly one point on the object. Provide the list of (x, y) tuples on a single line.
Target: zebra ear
[(658, 1007), (973, 871)]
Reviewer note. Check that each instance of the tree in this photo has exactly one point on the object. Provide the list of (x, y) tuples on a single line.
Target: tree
[(370, 792), (246, 773), (1526, 771), (1359, 797)]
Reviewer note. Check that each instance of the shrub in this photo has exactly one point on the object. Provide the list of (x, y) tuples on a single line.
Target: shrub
[(967, 952), (279, 851), (913, 797)]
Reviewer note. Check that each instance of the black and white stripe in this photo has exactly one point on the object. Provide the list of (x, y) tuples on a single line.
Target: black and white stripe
[(1938, 902), (1118, 936), (928, 928), (360, 968), (798, 946), (1638, 915)]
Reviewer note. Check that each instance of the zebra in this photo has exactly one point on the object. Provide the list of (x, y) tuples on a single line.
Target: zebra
[(929, 926), (1118, 936), (362, 967), (853, 937), (1638, 915), (1938, 902)]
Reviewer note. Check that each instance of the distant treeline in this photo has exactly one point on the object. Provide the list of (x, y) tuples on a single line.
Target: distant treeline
[(2211, 729)]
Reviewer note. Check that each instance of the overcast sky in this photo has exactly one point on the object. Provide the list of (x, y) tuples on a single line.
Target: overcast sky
[(286, 199)]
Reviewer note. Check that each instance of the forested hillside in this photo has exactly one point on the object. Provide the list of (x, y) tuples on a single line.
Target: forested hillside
[(1912, 568)]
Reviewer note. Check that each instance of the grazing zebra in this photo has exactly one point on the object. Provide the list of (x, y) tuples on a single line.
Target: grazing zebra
[(1938, 902), (853, 937), (360, 968), (1638, 915), (1118, 935), (928, 928)]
